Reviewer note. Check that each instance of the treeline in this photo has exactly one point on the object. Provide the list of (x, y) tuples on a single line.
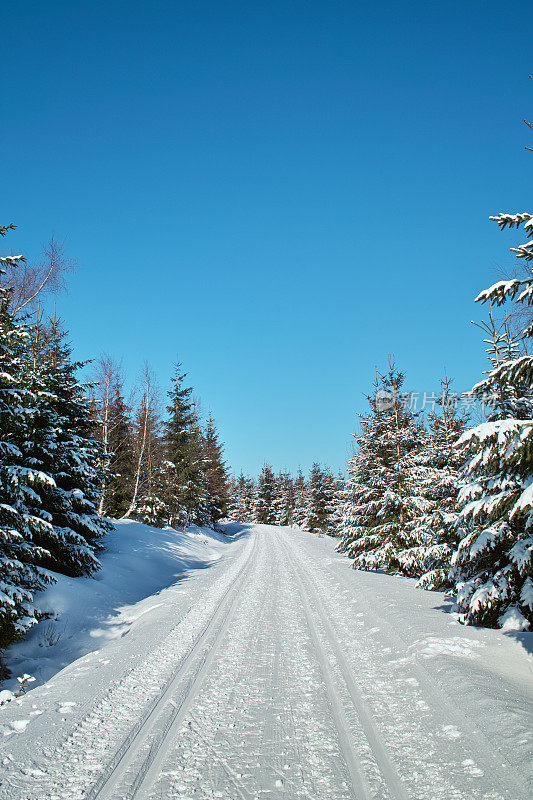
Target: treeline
[(451, 503), (72, 453), (160, 468), (312, 503), (431, 495)]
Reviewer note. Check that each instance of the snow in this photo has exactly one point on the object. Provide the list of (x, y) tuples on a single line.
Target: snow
[(272, 670), (513, 620), (17, 726), (139, 562), (526, 595), (6, 696)]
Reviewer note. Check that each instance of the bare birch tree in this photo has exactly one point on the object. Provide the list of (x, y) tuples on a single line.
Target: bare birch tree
[(108, 375), (29, 281), (145, 418)]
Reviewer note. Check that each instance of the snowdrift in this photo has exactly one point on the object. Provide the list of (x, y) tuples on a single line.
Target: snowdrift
[(138, 564)]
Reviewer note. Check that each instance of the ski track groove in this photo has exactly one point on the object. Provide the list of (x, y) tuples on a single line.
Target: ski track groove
[(430, 692), (126, 706), (204, 650), (152, 765), (361, 788), (268, 700), (273, 684), (433, 693)]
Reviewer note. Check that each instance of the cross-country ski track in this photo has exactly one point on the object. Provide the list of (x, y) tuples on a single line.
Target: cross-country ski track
[(281, 673)]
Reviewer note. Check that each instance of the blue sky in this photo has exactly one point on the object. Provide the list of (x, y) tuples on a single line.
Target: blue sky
[(283, 193)]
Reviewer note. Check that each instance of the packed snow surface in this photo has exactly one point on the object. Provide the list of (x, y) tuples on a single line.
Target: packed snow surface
[(260, 665), (139, 563)]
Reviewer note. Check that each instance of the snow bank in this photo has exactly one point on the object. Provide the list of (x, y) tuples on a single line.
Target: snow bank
[(138, 563)]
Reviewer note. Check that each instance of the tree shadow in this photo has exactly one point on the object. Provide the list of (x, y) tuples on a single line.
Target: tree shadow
[(524, 638), (235, 530)]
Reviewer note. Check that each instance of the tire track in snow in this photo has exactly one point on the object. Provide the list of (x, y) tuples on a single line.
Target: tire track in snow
[(361, 788)]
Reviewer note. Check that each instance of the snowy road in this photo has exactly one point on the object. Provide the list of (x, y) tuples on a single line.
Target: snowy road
[(288, 675)]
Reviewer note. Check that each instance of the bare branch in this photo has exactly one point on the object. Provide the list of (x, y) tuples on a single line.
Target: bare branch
[(34, 280)]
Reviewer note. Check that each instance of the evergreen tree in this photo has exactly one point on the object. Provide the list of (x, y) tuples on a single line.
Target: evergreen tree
[(284, 502), (152, 471), (121, 459), (231, 506), (339, 495), (432, 536), (215, 473), (61, 442), (493, 563), (184, 491), (20, 555), (249, 500), (156, 474), (300, 500), (265, 497), (384, 483), (319, 499), (241, 504)]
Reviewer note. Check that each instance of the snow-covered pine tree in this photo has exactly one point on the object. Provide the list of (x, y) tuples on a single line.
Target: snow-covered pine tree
[(20, 575), (320, 491), (339, 495), (184, 493), (493, 563), (241, 493), (215, 472), (61, 442), (100, 398), (431, 536), (156, 472), (284, 502), (264, 510), (231, 506), (300, 501), (249, 500), (381, 478), (121, 455), (204, 505)]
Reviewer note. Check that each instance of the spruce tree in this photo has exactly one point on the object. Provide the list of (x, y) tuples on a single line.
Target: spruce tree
[(432, 535), (20, 555), (265, 511), (215, 473), (241, 504), (319, 498), (383, 481), (493, 564), (184, 491), (121, 460), (61, 442), (284, 502), (300, 500), (153, 471), (338, 496)]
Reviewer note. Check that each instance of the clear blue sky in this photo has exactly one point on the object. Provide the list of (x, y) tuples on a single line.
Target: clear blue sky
[(282, 192)]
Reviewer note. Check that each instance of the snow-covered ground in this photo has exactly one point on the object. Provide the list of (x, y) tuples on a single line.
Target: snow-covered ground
[(138, 564), (275, 672)]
